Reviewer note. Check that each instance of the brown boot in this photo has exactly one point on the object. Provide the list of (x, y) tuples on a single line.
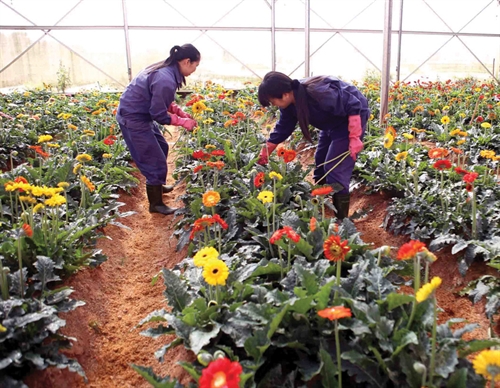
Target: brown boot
[(156, 204)]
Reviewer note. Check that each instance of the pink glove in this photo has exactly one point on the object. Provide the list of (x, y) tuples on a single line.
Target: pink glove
[(355, 130), (176, 110), (189, 124), (265, 152)]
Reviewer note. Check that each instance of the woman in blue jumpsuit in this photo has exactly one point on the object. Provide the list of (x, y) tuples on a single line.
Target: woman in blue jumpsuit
[(336, 108), (148, 101)]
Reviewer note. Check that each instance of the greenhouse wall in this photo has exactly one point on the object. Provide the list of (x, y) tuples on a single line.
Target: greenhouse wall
[(440, 39)]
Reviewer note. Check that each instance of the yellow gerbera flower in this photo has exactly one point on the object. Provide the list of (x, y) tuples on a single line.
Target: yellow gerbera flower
[(83, 158), (266, 196), (210, 147), (388, 140), (455, 132), (460, 142), (486, 125), (63, 185), (73, 127), (44, 138), (427, 289), (274, 174), (27, 199), (211, 198), (89, 132), (205, 254), (487, 364), (53, 145), (107, 156), (215, 272), (56, 200), (408, 136), (401, 156), (38, 207), (445, 120), (198, 107)]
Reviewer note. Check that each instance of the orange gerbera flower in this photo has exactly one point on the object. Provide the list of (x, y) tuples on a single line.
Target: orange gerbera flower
[(197, 168), (211, 198), (27, 230), (390, 129), (281, 152), (322, 191), (259, 179), (335, 312), (289, 156), (334, 249), (410, 250), (312, 224), (457, 150), (280, 233), (470, 177), (436, 153)]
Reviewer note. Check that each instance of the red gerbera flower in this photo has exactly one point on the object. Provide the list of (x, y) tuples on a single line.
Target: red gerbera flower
[(291, 234), (20, 179), (410, 249), (289, 156), (322, 191), (197, 168), (277, 236), (218, 153), (27, 230), (109, 140), (442, 164), (220, 221), (470, 177), (335, 312), (281, 152), (198, 154), (469, 187), (221, 373), (460, 170), (334, 249), (239, 115), (259, 179)]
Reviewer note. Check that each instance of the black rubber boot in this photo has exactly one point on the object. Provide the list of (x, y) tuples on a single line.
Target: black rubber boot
[(341, 203), (167, 189), (156, 204)]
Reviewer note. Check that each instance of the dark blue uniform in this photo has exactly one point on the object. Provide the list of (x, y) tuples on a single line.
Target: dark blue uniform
[(330, 103), (143, 105)]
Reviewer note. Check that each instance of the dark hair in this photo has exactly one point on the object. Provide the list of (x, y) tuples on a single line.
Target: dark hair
[(177, 53), (275, 84)]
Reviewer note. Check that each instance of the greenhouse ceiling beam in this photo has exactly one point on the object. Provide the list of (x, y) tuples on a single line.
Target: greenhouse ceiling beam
[(47, 33), (461, 41), (457, 35), (278, 29), (127, 40), (307, 38), (338, 33), (212, 39), (386, 63)]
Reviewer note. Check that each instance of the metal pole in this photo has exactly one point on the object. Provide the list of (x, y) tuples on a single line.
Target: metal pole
[(386, 62), (127, 40), (400, 38), (307, 36), (273, 35)]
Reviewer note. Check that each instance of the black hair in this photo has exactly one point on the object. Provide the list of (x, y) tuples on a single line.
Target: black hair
[(275, 84), (177, 53)]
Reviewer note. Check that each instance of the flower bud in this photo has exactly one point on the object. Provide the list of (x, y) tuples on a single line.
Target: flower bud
[(219, 354), (419, 368), (204, 358)]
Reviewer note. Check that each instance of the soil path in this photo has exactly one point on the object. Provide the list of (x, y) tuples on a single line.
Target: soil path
[(119, 293)]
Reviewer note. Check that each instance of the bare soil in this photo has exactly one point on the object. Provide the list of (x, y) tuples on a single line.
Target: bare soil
[(119, 293)]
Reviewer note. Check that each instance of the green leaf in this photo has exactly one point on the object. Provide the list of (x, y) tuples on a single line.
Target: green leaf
[(302, 305), (154, 380), (395, 300), (257, 344), (199, 338), (322, 297), (307, 279), (328, 371), (191, 370), (476, 346), (458, 379), (276, 321), (176, 290), (402, 338), (269, 269), (160, 353)]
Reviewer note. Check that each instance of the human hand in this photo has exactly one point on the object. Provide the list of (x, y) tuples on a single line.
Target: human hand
[(176, 110), (187, 123), (355, 146), (265, 152)]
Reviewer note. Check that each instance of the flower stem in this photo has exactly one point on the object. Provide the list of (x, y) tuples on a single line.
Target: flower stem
[(20, 261), (474, 214), (339, 268), (337, 348), (433, 344)]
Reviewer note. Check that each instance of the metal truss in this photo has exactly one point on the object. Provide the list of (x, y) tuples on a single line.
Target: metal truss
[(342, 32)]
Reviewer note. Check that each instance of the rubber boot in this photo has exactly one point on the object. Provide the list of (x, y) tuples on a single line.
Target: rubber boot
[(167, 189), (341, 203), (156, 204)]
